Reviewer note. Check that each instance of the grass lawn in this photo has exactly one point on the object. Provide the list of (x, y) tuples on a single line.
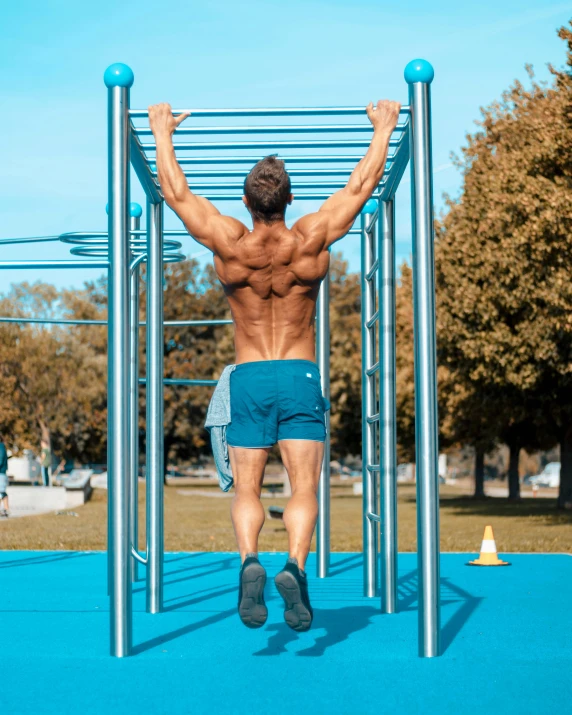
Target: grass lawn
[(196, 522)]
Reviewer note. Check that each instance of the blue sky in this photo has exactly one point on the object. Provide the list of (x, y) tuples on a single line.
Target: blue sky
[(223, 54)]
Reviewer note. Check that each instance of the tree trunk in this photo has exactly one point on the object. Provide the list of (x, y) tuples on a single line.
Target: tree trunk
[(513, 478), (565, 491), (479, 473)]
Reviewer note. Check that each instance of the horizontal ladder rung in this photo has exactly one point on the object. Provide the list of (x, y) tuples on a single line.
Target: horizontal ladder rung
[(372, 419), (372, 467), (371, 322), (370, 274), (373, 517), (373, 369)]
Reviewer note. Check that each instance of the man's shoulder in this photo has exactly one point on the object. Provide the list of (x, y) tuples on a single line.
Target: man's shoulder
[(311, 229), (230, 230)]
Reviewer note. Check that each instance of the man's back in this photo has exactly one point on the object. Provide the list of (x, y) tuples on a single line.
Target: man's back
[(271, 277), (272, 274)]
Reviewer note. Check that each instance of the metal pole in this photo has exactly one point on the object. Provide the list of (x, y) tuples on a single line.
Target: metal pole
[(155, 461), (419, 75), (135, 211), (387, 409), (323, 350), (119, 78), (370, 528)]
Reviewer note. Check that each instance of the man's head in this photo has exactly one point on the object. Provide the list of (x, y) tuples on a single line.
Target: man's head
[(267, 190)]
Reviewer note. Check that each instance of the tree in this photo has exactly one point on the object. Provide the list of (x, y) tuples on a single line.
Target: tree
[(54, 382), (345, 360), (503, 256)]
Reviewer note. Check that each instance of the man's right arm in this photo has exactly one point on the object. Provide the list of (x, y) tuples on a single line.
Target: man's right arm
[(339, 212)]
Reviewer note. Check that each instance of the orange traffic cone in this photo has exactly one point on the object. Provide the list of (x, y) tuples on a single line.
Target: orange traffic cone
[(488, 555)]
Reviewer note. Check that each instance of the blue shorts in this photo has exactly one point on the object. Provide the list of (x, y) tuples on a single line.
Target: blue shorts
[(274, 400)]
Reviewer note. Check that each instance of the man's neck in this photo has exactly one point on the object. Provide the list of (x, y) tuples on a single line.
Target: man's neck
[(268, 229)]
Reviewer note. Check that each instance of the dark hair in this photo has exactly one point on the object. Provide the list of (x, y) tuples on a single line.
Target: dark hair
[(267, 188)]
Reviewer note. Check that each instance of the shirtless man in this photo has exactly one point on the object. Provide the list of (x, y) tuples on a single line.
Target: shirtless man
[(271, 275)]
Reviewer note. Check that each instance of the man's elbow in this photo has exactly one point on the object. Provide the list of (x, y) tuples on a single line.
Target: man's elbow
[(174, 196)]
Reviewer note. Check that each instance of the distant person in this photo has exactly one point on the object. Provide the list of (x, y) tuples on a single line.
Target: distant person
[(271, 276), (46, 462), (4, 505)]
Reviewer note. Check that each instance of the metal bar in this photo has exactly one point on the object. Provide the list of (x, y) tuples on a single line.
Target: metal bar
[(298, 197), (401, 158), (242, 173), (143, 171), (265, 129), (142, 324), (182, 382), (53, 321), (137, 556), (134, 409), (173, 323), (265, 112), (373, 320), (33, 239), (155, 437), (372, 467), (263, 144), (373, 418), (370, 559), (370, 274), (373, 517), (426, 426), (370, 228), (388, 434), (53, 264), (118, 388), (323, 359), (373, 369), (324, 159), (235, 186)]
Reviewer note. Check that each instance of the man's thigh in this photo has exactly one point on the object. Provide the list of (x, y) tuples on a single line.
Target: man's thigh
[(303, 461)]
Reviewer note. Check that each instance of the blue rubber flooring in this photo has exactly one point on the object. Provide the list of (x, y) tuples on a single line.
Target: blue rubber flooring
[(506, 633)]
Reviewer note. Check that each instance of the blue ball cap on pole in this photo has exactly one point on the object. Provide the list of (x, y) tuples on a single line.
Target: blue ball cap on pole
[(135, 210), (419, 71), (118, 75), (370, 207)]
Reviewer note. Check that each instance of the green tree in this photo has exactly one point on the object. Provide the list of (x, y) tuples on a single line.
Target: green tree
[(54, 382), (503, 256)]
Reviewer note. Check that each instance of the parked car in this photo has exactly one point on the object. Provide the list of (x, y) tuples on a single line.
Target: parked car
[(549, 477)]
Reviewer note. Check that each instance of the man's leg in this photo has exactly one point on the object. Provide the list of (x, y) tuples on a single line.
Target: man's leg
[(247, 518), (247, 511), (303, 462), (302, 459)]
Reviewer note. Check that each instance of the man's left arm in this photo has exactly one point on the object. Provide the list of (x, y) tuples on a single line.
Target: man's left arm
[(201, 218)]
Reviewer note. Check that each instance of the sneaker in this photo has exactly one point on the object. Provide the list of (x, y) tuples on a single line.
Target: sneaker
[(3, 514), (292, 584), (251, 607)]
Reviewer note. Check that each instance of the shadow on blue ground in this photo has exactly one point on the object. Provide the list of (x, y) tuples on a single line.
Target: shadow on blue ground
[(43, 558), (180, 632), (338, 623)]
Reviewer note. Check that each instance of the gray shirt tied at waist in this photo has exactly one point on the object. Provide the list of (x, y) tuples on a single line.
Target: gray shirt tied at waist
[(218, 417)]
